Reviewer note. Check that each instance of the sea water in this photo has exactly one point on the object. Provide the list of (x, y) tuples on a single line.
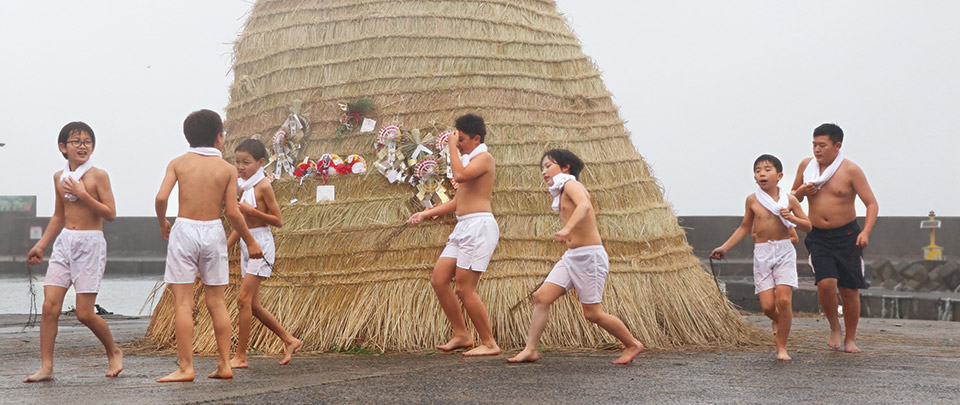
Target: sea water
[(122, 296)]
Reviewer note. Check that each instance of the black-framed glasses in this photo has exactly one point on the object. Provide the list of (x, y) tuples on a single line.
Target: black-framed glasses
[(86, 142)]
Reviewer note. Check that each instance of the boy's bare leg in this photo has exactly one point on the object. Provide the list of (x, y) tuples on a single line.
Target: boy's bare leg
[(49, 320), (244, 320), (543, 298), (183, 323), (222, 330), (768, 305), (443, 273), (827, 295), (851, 317), (632, 347), (290, 343), (466, 283), (87, 315), (784, 302)]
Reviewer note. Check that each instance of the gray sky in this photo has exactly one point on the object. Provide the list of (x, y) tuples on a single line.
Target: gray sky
[(705, 87)]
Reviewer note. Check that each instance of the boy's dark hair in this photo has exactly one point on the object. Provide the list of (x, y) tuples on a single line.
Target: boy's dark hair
[(564, 158), (769, 158), (202, 127), (472, 125), (254, 147), (831, 130), (73, 128)]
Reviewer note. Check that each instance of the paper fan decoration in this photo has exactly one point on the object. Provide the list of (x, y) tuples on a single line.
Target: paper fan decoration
[(424, 167)]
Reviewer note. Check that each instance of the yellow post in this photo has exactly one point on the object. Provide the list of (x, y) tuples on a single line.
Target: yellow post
[(932, 251)]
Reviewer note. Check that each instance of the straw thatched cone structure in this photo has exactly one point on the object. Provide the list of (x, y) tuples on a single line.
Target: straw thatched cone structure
[(348, 274)]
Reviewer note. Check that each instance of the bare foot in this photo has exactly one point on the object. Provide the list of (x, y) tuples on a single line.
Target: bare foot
[(238, 362), (221, 374), (456, 343), (526, 356), (178, 376), (629, 353), (116, 363), (836, 336), (483, 350), (782, 355), (42, 375), (288, 350), (851, 347)]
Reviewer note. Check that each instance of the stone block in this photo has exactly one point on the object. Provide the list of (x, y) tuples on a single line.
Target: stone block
[(904, 286), (902, 266), (913, 285), (884, 270), (916, 272), (889, 284)]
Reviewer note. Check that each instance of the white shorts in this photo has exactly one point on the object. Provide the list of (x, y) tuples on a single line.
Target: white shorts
[(473, 241), (585, 269), (79, 258), (774, 263), (197, 246), (258, 267)]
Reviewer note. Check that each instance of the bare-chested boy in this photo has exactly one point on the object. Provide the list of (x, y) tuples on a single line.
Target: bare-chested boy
[(472, 242), (771, 214), (83, 200), (832, 183), (259, 206), (198, 242), (585, 264)]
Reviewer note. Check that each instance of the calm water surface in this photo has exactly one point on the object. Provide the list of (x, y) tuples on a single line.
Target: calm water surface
[(122, 296)]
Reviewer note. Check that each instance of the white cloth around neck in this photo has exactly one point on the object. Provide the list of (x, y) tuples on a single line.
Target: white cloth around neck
[(812, 173), (207, 151), (76, 175), (783, 201), (465, 159), (247, 186), (557, 188)]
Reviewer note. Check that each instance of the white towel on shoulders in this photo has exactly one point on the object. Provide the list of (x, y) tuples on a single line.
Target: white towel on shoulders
[(76, 175), (812, 173), (783, 201), (556, 190), (207, 151), (248, 185), (465, 159)]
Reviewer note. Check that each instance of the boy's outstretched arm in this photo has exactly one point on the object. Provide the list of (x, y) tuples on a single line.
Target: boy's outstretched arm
[(738, 234), (35, 255), (794, 213), (232, 212), (105, 208), (583, 207), (272, 217), (166, 187), (448, 207)]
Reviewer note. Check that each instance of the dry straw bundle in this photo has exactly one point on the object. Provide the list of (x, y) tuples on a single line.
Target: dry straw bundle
[(350, 274)]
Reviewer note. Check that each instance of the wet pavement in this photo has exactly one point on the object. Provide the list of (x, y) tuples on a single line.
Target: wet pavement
[(903, 361)]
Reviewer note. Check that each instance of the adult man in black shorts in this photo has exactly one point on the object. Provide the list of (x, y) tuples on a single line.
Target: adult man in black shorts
[(832, 184)]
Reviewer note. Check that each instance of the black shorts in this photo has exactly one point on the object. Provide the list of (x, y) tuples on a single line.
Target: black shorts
[(834, 254)]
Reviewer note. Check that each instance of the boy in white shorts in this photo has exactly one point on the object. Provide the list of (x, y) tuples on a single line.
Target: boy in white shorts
[(259, 206), (83, 200), (584, 266), (198, 243), (771, 214), (473, 240)]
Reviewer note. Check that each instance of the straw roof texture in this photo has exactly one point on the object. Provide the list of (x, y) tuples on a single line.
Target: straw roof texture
[(349, 273)]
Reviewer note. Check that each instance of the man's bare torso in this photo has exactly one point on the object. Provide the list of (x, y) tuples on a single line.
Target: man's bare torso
[(833, 205)]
